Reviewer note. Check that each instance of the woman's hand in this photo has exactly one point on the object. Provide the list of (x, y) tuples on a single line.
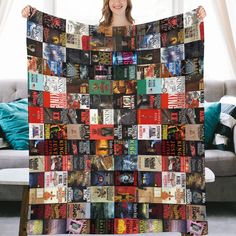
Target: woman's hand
[(28, 11), (201, 13)]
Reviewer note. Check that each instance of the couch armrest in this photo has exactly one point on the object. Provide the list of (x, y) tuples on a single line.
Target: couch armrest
[(234, 138)]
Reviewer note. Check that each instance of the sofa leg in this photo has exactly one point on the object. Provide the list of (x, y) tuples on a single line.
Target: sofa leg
[(24, 211)]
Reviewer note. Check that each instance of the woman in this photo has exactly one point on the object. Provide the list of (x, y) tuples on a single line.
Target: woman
[(114, 12)]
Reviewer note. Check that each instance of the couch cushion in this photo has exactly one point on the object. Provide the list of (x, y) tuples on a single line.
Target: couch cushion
[(214, 90), (230, 87), (14, 159), (222, 163), (11, 90)]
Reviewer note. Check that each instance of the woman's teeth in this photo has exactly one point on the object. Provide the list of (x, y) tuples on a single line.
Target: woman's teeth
[(117, 7)]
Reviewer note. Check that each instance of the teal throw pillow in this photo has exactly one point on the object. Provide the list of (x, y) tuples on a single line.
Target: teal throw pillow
[(211, 120), (14, 123)]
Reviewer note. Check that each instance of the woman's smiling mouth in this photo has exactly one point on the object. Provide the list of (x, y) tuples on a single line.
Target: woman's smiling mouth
[(117, 7)]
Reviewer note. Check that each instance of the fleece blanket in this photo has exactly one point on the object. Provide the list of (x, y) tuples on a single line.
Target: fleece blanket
[(116, 127)]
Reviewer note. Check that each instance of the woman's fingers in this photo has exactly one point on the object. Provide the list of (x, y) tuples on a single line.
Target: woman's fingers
[(28, 11), (201, 13)]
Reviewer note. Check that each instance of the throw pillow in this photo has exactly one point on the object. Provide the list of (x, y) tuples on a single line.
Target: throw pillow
[(14, 123), (211, 120), (223, 139)]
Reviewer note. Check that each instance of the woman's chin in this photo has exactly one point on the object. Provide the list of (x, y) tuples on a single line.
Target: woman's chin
[(119, 12)]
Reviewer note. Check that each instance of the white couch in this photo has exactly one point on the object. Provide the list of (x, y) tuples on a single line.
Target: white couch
[(222, 163)]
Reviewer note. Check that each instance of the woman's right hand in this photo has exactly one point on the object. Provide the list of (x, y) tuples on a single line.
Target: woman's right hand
[(28, 11)]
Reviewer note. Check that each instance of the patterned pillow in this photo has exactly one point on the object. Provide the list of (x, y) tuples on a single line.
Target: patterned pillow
[(223, 139)]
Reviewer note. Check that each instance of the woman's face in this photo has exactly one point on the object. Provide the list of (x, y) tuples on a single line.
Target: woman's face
[(118, 7)]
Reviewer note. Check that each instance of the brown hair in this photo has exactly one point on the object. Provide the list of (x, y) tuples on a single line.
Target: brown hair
[(107, 14)]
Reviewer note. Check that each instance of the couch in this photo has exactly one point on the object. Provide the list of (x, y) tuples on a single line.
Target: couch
[(11, 90), (222, 163)]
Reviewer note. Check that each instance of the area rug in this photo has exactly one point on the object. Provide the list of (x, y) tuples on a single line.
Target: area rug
[(116, 127)]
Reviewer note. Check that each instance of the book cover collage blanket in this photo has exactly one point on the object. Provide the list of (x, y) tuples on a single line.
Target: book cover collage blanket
[(116, 127)]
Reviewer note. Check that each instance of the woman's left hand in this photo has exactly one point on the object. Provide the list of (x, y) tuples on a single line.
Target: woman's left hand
[(201, 13)]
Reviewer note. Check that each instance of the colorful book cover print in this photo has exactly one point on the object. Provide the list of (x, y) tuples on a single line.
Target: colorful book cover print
[(116, 127)]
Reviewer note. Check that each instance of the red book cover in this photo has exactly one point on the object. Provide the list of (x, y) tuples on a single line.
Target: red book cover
[(164, 100), (173, 148), (86, 42), (125, 194), (55, 100), (55, 147), (35, 114), (176, 163), (55, 211), (174, 212), (99, 132), (201, 26), (149, 116), (173, 101), (56, 163)]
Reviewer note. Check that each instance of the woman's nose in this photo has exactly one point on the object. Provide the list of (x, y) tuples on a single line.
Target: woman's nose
[(117, 1)]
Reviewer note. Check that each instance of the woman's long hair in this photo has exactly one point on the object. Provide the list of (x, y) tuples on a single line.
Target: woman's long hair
[(107, 14)]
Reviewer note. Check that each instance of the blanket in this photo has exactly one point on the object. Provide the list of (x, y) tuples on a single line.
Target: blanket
[(116, 127)]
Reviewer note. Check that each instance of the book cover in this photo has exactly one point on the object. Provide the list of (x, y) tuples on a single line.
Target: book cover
[(149, 163), (102, 193), (78, 210)]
